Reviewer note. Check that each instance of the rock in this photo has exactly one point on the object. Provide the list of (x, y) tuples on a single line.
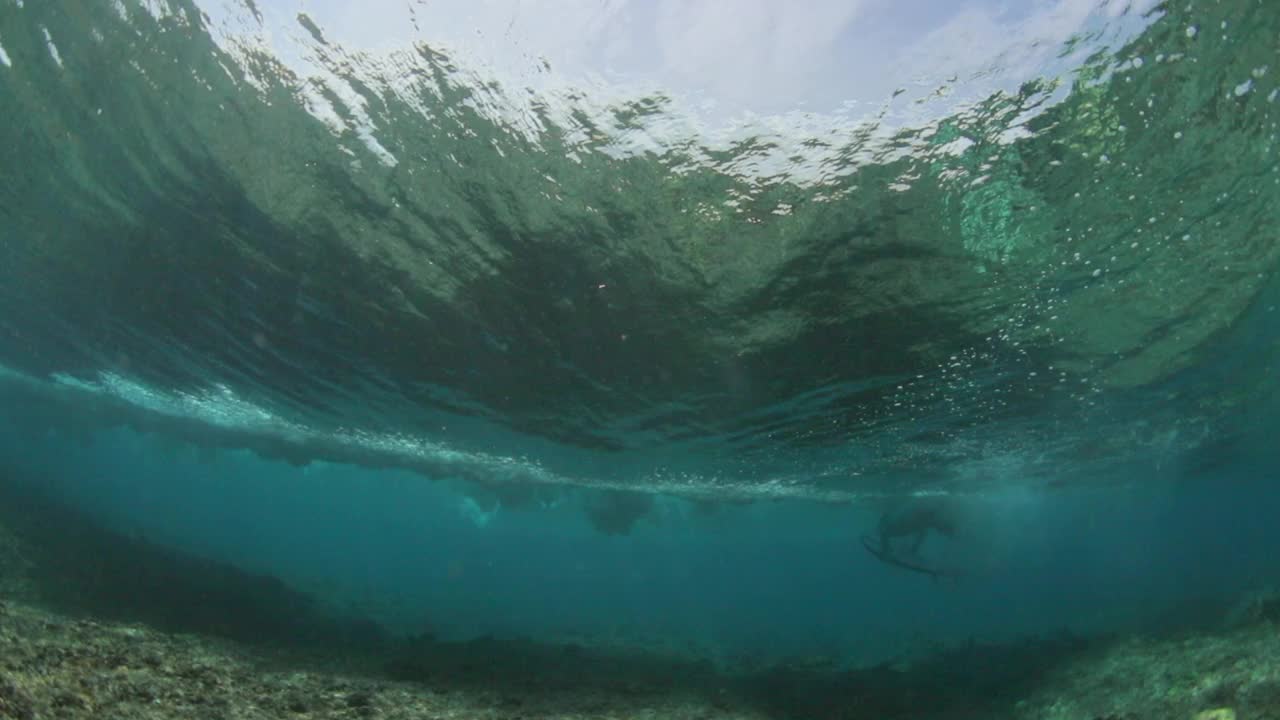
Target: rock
[(70, 700), (15, 702), (1224, 713)]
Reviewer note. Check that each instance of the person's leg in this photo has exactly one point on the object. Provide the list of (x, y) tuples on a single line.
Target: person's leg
[(918, 540)]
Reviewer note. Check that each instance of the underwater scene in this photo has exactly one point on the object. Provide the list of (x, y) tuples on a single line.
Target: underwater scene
[(610, 359)]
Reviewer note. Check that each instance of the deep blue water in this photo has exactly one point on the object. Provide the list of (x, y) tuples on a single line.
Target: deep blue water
[(769, 581), (576, 361)]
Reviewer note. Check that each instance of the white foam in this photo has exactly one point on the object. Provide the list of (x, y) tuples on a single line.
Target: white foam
[(218, 417), (53, 49)]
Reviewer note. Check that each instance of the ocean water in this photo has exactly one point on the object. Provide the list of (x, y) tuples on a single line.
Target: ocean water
[(631, 324)]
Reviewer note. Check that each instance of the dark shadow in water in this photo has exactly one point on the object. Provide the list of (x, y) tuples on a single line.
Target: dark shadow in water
[(613, 512), (78, 567), (973, 681)]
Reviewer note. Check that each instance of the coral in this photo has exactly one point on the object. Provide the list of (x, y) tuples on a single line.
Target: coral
[(52, 666)]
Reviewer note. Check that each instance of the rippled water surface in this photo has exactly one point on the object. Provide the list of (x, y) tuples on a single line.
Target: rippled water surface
[(1031, 245)]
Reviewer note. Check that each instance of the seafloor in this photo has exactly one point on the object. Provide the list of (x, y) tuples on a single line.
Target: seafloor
[(97, 625)]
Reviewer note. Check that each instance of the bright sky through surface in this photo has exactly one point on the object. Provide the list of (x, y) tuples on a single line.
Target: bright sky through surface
[(730, 58)]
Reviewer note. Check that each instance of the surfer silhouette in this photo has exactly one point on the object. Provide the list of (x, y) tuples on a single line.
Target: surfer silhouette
[(903, 530)]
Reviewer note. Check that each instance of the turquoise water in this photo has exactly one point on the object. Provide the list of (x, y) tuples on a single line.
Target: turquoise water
[(451, 337)]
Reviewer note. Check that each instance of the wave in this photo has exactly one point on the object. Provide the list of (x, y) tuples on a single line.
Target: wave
[(407, 258)]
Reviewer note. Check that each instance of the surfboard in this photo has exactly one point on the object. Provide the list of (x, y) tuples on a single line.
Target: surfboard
[(887, 558)]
